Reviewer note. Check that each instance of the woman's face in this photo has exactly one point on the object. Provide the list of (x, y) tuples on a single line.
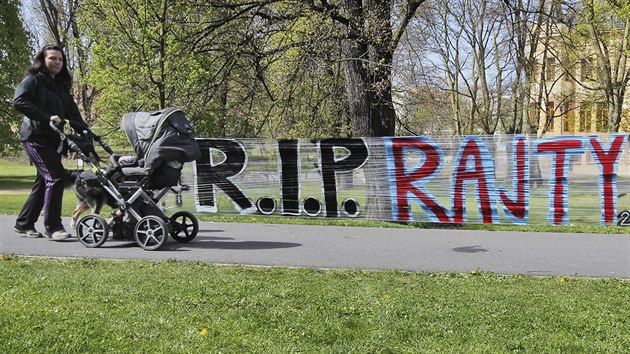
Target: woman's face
[(53, 61)]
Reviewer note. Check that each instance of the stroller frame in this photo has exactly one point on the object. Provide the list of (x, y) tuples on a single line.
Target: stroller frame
[(149, 231)]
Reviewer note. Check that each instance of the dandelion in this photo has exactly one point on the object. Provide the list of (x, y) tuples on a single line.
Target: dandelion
[(203, 332), (385, 296), (563, 280)]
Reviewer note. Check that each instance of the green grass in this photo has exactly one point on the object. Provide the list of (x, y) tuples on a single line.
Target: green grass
[(88, 305), (101, 306), (16, 180), (17, 176)]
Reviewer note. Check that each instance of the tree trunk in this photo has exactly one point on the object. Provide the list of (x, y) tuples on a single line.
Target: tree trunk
[(367, 62), (358, 94), (86, 97), (614, 112), (370, 115)]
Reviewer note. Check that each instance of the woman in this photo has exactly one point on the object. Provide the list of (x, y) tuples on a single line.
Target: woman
[(44, 98)]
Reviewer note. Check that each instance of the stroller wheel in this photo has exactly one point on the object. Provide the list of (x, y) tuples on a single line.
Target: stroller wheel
[(92, 230), (185, 226), (151, 232)]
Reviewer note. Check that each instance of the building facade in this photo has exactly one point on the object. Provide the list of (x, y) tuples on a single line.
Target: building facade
[(567, 95)]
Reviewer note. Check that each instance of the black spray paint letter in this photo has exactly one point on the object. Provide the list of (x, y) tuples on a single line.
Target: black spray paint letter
[(218, 173), (331, 164), (288, 151)]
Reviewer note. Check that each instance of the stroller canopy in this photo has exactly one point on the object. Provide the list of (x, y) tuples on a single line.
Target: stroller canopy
[(161, 136)]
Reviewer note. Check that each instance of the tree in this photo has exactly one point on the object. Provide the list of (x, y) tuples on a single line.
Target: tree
[(15, 55), (370, 36), (424, 111), (605, 31), (237, 71), (140, 59), (590, 43), (369, 41), (55, 21), (469, 49), (525, 25), (545, 71), (368, 32)]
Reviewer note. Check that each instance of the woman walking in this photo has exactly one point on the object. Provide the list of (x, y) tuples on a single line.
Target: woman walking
[(44, 98)]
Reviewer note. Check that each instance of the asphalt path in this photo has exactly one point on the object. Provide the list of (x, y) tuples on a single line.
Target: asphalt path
[(557, 254)]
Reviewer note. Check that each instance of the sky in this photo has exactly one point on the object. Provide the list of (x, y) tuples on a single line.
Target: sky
[(31, 22)]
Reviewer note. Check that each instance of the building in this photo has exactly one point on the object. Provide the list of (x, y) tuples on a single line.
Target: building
[(566, 94)]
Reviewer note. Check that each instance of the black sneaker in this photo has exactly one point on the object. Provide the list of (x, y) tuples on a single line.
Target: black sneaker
[(30, 233)]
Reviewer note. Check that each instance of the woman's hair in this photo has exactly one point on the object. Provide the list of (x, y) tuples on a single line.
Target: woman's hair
[(63, 79)]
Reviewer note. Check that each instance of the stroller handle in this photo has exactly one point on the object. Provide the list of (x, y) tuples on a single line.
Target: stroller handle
[(75, 148), (96, 137), (86, 129)]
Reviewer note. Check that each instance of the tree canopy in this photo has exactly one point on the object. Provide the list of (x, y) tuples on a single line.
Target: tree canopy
[(320, 68), (15, 54)]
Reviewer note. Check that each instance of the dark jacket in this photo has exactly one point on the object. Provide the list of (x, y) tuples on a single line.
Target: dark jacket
[(38, 98)]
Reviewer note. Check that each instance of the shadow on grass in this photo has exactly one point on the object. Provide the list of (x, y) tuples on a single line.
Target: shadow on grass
[(16, 182)]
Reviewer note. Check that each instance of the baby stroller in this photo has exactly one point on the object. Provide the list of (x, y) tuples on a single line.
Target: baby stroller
[(162, 141)]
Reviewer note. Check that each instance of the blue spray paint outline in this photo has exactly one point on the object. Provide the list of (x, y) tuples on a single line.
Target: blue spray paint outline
[(565, 172), (526, 191), (418, 184), (613, 137), (488, 172)]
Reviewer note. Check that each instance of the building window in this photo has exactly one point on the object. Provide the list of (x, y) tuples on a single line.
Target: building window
[(568, 117), (549, 115), (533, 110), (550, 69), (585, 118), (601, 117)]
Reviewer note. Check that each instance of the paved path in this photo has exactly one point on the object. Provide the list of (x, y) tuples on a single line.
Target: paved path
[(588, 255)]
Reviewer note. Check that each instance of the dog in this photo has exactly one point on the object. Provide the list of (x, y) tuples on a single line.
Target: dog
[(89, 192)]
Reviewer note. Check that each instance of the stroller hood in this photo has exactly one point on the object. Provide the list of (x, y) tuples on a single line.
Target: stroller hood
[(161, 136)]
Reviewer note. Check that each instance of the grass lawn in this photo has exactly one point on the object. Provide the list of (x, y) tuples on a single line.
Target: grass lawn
[(104, 306), (88, 305), (16, 175)]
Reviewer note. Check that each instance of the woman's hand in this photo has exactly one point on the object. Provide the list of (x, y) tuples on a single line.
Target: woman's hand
[(55, 120)]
